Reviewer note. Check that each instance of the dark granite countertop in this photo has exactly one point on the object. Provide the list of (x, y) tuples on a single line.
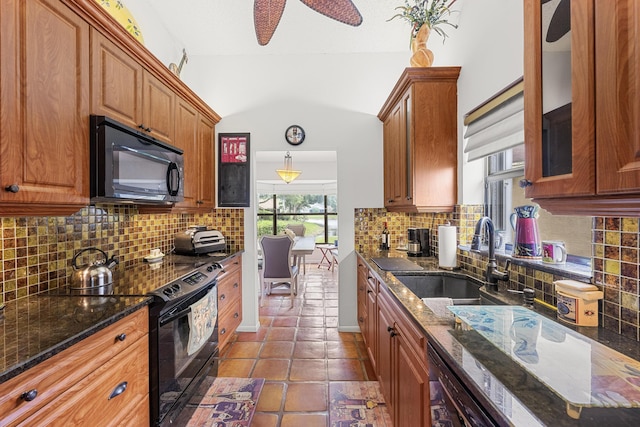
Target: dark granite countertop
[(35, 328), (507, 390)]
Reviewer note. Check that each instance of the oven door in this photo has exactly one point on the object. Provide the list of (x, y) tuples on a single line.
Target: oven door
[(187, 348)]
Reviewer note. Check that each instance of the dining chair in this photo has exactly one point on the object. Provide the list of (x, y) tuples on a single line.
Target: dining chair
[(298, 229), (276, 268)]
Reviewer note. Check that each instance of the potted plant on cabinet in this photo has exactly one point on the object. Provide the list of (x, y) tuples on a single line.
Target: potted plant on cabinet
[(425, 16)]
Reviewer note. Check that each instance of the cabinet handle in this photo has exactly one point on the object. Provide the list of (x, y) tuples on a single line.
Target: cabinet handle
[(30, 395), (369, 291), (360, 319), (223, 331), (199, 202), (235, 316), (524, 183), (222, 297), (120, 388), (121, 337), (390, 201), (392, 332), (235, 285), (144, 128), (13, 188)]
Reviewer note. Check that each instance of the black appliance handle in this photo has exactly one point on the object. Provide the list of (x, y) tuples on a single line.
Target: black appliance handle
[(172, 315), (173, 179)]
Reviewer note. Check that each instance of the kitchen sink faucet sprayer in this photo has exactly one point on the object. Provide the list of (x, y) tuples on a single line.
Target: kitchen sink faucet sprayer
[(493, 274)]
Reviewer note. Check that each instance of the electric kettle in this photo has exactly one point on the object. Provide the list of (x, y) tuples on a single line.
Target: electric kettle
[(527, 237)]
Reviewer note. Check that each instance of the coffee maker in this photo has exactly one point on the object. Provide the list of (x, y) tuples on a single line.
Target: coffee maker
[(419, 242)]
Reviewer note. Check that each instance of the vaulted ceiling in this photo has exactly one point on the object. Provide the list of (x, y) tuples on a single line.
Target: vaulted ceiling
[(226, 27)]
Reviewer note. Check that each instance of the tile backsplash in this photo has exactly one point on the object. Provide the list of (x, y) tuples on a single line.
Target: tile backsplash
[(615, 258), (37, 252)]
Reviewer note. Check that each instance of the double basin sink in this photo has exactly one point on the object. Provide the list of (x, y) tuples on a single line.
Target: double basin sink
[(462, 290)]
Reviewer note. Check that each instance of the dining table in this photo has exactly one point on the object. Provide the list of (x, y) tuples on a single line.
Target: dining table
[(302, 246)]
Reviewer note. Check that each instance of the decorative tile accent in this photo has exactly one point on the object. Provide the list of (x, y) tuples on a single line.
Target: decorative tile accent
[(37, 252)]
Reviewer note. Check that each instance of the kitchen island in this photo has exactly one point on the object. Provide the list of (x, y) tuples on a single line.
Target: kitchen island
[(506, 390)]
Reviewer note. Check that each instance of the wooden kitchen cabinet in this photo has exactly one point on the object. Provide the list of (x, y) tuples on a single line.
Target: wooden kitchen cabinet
[(194, 134), (73, 387), (229, 299), (421, 141), (586, 150), (402, 365), (123, 90), (44, 109), (367, 309)]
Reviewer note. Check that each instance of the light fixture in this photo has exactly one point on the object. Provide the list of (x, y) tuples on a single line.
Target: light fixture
[(288, 174)]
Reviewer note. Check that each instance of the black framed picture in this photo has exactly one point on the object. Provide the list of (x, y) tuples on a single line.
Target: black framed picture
[(233, 170)]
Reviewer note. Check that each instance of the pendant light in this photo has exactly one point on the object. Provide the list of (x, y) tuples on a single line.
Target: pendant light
[(288, 174)]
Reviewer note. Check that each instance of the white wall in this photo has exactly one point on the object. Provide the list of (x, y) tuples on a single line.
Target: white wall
[(336, 97)]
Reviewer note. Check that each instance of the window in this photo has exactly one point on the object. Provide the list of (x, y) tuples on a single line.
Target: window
[(318, 213)]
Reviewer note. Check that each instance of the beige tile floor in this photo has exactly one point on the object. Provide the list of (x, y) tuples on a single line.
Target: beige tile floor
[(298, 350)]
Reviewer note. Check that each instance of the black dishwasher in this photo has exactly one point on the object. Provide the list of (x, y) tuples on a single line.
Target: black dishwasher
[(450, 399)]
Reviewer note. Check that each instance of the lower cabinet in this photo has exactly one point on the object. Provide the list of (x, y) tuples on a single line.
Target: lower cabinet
[(103, 380), (402, 365), (229, 299)]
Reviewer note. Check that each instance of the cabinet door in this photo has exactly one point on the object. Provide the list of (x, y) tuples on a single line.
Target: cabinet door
[(618, 104), (412, 387), (44, 107), (206, 171), (186, 139), (371, 325), (559, 102), (116, 82), (385, 363), (157, 108), (395, 153)]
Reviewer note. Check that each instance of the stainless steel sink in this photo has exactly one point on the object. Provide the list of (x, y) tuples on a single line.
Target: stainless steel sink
[(462, 290)]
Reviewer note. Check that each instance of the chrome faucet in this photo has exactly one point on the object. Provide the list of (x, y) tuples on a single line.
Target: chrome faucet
[(492, 274)]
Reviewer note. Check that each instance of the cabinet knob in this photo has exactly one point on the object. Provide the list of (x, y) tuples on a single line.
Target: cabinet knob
[(390, 201), (392, 331), (121, 337), (524, 183), (199, 202), (13, 188), (235, 285), (144, 128), (223, 331), (222, 297), (369, 291), (30, 395), (236, 315), (120, 388)]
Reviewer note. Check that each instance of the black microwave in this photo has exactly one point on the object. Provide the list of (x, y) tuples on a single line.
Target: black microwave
[(128, 166)]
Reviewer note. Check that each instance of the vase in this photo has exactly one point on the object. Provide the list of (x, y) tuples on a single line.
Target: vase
[(422, 57)]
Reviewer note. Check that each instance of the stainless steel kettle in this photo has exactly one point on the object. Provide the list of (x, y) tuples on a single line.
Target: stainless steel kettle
[(96, 277)]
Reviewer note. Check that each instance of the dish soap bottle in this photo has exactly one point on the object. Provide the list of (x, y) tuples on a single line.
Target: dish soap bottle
[(384, 244)]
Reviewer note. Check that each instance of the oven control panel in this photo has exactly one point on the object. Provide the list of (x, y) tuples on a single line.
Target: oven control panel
[(189, 283)]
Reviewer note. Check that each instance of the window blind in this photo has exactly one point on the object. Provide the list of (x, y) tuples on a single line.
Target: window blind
[(497, 124)]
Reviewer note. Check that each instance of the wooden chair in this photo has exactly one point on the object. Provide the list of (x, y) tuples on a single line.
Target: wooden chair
[(276, 268)]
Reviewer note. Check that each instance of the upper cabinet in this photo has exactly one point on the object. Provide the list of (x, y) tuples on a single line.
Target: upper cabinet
[(44, 108), (576, 53), (124, 91), (420, 141), (62, 60)]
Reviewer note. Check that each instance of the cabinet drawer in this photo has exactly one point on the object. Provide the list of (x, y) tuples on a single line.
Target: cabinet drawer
[(230, 266), (228, 322), (228, 291), (57, 374), (105, 396)]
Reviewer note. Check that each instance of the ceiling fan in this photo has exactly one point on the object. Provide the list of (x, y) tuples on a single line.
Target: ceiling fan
[(560, 23), (267, 14)]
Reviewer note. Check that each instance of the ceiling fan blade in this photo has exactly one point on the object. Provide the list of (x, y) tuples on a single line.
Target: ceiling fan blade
[(266, 16), (341, 10), (560, 23)]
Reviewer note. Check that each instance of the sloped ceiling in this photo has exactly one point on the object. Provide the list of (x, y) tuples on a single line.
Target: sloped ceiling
[(226, 27)]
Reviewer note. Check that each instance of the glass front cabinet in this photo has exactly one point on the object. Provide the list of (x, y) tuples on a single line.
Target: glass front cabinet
[(582, 106)]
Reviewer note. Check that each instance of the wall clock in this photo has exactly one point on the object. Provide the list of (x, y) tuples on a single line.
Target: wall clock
[(294, 135)]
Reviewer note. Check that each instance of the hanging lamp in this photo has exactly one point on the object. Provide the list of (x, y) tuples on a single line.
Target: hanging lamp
[(288, 174)]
